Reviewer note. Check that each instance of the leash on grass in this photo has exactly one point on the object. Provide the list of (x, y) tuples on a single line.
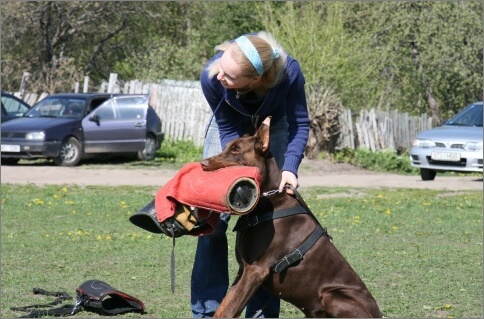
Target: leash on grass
[(93, 295)]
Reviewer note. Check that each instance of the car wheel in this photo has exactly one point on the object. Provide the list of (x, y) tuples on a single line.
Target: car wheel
[(427, 174), (10, 161), (70, 153), (149, 152)]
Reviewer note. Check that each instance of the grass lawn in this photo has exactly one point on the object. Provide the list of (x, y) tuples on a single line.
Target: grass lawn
[(419, 251)]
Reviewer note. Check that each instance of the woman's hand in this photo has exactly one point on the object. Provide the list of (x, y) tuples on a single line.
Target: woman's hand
[(288, 178)]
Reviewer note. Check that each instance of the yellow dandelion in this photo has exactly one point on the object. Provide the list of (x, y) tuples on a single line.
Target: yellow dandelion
[(56, 196), (388, 212), (108, 237), (380, 196), (99, 237), (394, 227)]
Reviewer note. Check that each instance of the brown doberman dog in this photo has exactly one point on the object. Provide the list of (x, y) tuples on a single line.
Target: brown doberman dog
[(282, 247)]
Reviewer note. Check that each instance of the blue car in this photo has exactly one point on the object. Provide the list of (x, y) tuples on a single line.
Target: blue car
[(455, 146), (70, 127)]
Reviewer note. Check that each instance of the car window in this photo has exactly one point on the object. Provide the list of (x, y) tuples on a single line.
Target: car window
[(46, 107), (13, 106), (105, 111), (58, 107), (73, 109), (471, 116), (132, 108), (95, 102)]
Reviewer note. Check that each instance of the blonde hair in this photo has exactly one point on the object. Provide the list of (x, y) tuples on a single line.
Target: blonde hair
[(266, 46)]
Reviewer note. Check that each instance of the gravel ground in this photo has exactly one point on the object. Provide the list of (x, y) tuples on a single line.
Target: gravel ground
[(311, 173)]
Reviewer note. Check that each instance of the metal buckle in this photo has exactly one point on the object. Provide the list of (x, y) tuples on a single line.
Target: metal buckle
[(77, 306), (294, 256), (255, 220), (288, 260)]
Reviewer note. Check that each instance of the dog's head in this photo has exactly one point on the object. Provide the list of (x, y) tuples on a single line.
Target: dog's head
[(246, 151)]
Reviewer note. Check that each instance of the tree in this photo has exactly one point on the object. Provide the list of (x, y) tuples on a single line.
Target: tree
[(57, 41), (180, 45), (432, 54)]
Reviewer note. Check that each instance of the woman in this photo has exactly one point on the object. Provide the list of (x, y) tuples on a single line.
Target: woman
[(248, 79)]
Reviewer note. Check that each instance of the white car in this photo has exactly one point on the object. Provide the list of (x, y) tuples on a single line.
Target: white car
[(455, 146)]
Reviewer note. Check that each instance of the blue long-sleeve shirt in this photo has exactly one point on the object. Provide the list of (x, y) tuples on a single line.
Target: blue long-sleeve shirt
[(287, 98)]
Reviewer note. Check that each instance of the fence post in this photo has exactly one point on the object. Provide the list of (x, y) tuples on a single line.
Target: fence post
[(112, 82), (85, 89), (23, 84)]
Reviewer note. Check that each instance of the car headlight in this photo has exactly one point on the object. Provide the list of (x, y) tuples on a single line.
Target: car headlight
[(35, 136), (473, 146), (423, 143)]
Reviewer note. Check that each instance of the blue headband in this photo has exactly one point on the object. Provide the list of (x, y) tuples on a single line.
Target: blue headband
[(251, 53)]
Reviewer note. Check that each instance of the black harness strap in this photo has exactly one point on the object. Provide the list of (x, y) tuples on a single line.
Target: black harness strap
[(65, 310), (298, 253), (246, 221), (61, 296)]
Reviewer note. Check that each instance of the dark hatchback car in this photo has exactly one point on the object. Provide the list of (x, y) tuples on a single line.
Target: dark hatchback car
[(12, 107), (75, 126)]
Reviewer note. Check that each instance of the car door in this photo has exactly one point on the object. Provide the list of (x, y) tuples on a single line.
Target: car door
[(116, 126), (12, 107)]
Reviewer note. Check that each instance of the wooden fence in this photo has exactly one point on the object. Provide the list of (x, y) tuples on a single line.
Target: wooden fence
[(185, 113)]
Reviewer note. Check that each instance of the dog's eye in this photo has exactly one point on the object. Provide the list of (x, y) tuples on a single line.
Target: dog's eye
[(234, 150)]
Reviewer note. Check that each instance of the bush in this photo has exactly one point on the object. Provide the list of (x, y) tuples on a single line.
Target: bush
[(384, 161), (179, 152)]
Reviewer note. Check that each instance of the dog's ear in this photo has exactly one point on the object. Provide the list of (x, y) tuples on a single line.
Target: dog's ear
[(263, 135)]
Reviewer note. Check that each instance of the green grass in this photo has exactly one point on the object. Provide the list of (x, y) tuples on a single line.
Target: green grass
[(418, 251)]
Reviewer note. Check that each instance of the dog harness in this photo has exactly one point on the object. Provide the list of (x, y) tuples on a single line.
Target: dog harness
[(297, 254)]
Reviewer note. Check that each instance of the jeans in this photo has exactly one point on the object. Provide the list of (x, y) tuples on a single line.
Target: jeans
[(210, 277)]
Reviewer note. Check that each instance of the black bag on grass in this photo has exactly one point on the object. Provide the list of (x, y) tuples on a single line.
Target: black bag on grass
[(93, 295)]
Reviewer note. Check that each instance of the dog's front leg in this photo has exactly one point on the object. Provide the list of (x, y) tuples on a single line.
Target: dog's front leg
[(240, 293)]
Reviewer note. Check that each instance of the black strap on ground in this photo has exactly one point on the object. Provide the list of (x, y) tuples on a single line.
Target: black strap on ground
[(66, 310)]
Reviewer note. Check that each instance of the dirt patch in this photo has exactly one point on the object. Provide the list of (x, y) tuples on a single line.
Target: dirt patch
[(323, 173)]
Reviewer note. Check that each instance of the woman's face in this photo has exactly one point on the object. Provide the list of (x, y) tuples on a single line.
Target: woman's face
[(230, 73)]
